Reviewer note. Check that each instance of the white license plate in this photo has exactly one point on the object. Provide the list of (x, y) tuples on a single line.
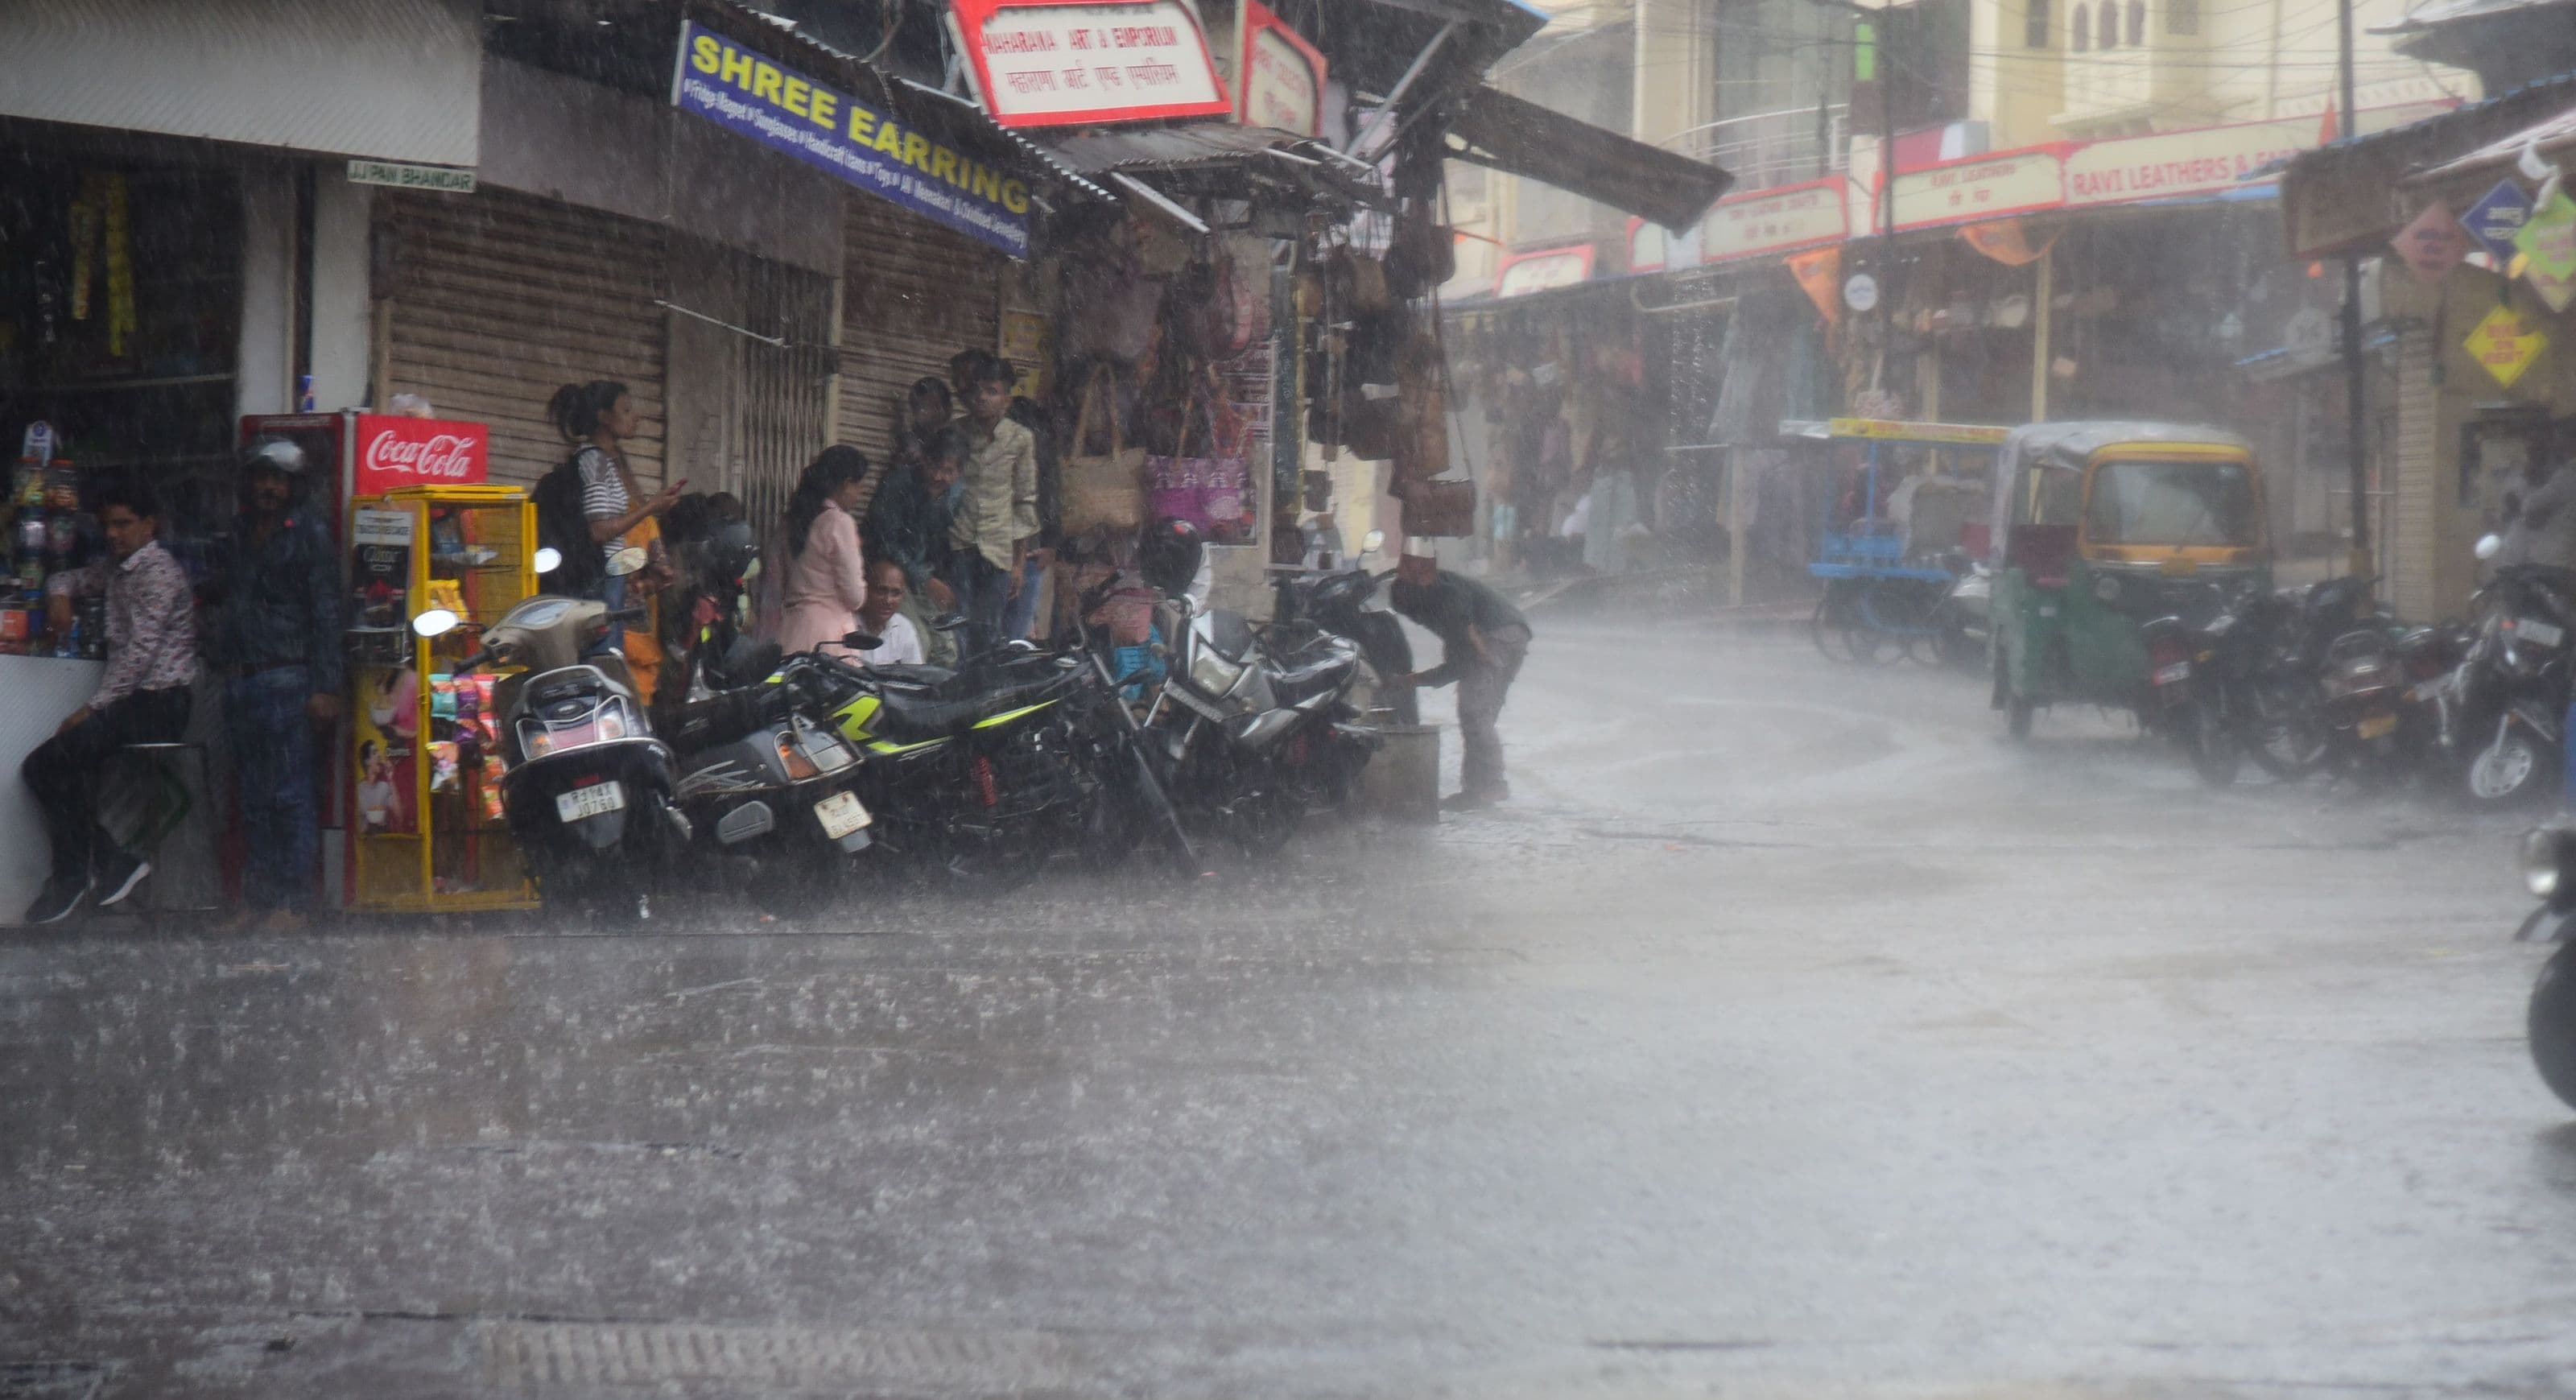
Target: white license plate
[(841, 814), (2538, 633), (2178, 671), (591, 801)]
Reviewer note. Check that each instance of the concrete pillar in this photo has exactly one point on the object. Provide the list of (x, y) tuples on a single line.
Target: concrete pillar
[(342, 325), (264, 369)]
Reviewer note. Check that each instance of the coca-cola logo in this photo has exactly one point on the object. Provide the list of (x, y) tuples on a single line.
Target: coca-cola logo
[(444, 457)]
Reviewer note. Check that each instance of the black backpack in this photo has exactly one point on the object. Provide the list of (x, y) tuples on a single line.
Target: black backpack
[(563, 526)]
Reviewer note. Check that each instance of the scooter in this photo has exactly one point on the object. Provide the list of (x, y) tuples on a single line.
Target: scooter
[(586, 788), (1343, 604), (2506, 704)]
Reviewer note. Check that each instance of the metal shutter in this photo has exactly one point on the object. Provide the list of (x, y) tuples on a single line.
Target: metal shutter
[(499, 299), (781, 405), (915, 294)]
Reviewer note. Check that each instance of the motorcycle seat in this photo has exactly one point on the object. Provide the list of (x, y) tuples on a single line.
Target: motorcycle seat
[(912, 717), (1314, 674)]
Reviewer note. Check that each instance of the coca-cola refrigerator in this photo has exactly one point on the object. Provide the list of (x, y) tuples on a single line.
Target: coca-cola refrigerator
[(351, 456)]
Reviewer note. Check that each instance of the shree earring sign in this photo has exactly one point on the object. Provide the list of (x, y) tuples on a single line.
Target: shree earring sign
[(753, 96), (1081, 62)]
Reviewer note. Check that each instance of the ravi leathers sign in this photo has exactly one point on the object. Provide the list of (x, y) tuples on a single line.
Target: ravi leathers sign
[(1053, 63), (1280, 79), (752, 96), (395, 452)]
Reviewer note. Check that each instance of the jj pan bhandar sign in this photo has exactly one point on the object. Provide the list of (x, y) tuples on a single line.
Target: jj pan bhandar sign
[(754, 96)]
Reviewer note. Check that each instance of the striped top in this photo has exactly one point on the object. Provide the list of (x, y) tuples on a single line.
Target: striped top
[(603, 490)]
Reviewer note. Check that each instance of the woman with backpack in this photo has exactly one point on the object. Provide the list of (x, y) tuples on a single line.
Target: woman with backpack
[(826, 578), (596, 419)]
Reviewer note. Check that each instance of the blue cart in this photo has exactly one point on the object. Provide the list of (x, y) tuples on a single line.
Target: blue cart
[(1877, 603)]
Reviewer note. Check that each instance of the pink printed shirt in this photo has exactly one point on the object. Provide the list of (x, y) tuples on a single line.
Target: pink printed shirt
[(151, 621)]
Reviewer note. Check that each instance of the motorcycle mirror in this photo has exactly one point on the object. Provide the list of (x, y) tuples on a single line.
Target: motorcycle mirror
[(862, 641), (1373, 541), (434, 622), (947, 622), (2490, 546), (629, 560), (547, 559)]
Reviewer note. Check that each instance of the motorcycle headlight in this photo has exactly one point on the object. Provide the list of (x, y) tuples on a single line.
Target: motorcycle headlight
[(2544, 861), (1211, 672)]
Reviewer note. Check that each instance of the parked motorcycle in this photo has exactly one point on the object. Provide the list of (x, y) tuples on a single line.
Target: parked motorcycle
[(1248, 739), (768, 784), (2549, 873), (989, 771), (1343, 605), (2507, 701)]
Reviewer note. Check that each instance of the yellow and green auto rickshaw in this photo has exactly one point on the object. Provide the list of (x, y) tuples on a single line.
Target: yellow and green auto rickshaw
[(2105, 527)]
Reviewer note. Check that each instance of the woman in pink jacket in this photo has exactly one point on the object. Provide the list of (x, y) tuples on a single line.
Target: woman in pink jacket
[(826, 579)]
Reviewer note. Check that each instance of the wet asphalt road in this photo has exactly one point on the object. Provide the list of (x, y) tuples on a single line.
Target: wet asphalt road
[(1791, 1035)]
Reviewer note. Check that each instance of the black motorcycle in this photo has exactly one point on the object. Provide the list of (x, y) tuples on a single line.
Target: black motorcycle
[(2549, 872), (1340, 604), (2506, 704)]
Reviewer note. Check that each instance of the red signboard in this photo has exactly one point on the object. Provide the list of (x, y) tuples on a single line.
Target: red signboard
[(392, 453), (1081, 62), (1280, 82)]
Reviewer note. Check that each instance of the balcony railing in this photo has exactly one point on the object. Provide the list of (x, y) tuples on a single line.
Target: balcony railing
[(1764, 149)]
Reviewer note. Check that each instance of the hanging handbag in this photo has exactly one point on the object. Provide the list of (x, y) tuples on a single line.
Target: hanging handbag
[(1101, 489), (1438, 508)]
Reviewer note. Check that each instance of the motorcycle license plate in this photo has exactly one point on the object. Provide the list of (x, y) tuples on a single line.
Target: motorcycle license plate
[(2538, 633), (841, 814), (2178, 671), (595, 800), (2376, 726)]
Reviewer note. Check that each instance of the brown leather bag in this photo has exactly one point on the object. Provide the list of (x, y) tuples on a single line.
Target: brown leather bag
[(1438, 508)]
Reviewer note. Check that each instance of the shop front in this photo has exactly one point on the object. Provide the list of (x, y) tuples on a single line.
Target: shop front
[(2471, 304)]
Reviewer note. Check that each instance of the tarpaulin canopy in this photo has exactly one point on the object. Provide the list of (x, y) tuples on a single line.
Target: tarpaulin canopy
[(1523, 138)]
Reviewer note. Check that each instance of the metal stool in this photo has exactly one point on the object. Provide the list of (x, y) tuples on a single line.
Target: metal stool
[(164, 810)]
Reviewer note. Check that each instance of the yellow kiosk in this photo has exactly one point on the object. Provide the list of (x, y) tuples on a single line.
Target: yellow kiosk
[(426, 830)]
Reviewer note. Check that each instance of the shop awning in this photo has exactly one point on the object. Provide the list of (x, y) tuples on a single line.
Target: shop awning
[(2348, 194), (1219, 159), (2552, 137), (1517, 137)]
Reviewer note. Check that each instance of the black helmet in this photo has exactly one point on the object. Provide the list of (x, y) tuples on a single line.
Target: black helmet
[(1169, 556), (277, 454), (731, 549)]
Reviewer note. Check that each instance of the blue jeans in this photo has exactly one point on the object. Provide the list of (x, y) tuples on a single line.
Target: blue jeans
[(272, 745), (983, 593)]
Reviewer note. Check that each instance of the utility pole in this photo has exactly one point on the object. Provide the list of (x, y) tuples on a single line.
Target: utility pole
[(2355, 447)]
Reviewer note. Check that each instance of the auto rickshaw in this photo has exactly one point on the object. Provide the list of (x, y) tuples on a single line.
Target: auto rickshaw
[(2105, 527)]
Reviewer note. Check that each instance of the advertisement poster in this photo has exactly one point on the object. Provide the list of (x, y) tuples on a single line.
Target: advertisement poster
[(386, 732), (380, 568)]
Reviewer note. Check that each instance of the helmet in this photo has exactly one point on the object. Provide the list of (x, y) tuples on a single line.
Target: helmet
[(275, 454), (731, 549), (1169, 556)]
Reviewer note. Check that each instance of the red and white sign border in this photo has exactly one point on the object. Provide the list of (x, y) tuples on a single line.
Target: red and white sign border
[(968, 18)]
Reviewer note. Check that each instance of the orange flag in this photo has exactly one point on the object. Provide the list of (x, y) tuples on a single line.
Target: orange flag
[(1820, 273), (2004, 241)]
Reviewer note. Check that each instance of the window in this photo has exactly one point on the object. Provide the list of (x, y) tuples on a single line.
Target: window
[(2137, 23), (2034, 25), (2173, 503), (2079, 27), (2109, 38)]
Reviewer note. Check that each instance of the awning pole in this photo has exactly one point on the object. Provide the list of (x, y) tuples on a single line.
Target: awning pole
[(1386, 110), (2043, 291), (2352, 366)]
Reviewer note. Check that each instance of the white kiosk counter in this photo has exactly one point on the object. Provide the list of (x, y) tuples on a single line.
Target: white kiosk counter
[(36, 692)]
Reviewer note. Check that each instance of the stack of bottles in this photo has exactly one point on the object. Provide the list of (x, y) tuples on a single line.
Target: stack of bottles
[(46, 531)]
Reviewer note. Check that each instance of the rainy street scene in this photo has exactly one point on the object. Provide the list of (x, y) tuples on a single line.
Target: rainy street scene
[(1115, 699)]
